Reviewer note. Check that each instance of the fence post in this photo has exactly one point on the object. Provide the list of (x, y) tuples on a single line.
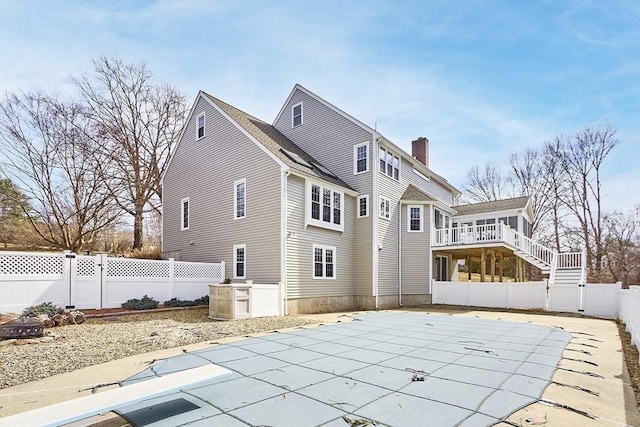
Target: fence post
[(70, 271), (172, 278), (104, 280), (281, 299), (223, 272)]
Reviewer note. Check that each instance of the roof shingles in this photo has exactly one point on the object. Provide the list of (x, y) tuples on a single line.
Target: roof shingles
[(492, 206)]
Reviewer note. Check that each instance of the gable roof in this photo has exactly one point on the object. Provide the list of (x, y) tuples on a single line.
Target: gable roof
[(413, 193), (416, 163), (493, 206), (276, 143)]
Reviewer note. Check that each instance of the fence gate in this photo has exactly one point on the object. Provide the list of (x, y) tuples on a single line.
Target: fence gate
[(565, 297)]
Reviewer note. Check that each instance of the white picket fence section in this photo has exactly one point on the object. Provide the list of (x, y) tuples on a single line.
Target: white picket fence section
[(490, 294), (83, 282)]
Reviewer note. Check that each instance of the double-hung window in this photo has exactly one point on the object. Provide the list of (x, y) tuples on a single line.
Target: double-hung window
[(184, 214), (384, 207), (240, 199), (389, 164), (200, 120), (324, 262), (363, 206), (325, 207), (415, 220), (239, 261), (361, 158), (296, 115)]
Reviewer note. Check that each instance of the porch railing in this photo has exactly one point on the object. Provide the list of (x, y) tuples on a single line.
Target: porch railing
[(489, 233)]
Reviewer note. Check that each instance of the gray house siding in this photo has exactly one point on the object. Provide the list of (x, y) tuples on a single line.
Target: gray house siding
[(330, 138), (204, 171), (300, 241), (416, 254), (431, 187), (388, 234)]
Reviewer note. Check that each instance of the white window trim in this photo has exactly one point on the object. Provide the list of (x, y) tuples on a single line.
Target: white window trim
[(235, 260), (355, 158), (324, 260), (204, 125), (409, 230), (235, 198), (301, 114), (393, 156), (182, 227), (320, 223), (388, 210), (365, 197)]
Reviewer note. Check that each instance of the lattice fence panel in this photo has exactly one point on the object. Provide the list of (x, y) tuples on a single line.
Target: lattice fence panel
[(32, 264), (122, 267), (197, 270), (86, 266)]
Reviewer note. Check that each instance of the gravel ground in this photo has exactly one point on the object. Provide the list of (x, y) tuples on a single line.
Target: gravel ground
[(100, 340)]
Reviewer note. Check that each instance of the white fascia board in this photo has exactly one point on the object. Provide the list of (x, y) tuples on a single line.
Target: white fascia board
[(184, 128), (327, 104), (491, 214), (325, 183)]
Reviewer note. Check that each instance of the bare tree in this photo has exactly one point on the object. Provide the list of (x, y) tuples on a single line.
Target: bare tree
[(138, 122), (622, 247), (486, 184), (47, 151), (581, 159)]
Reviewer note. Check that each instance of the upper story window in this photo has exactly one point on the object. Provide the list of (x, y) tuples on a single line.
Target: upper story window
[(325, 207), (363, 206), (324, 262), (200, 126), (239, 261), (240, 205), (415, 219), (389, 164), (184, 214), (361, 158), (296, 115), (440, 219), (385, 205)]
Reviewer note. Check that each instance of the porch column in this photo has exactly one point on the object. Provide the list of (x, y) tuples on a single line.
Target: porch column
[(501, 266), (493, 265), (483, 264)]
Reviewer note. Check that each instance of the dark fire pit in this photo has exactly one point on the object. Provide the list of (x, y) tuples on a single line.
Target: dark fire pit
[(26, 327)]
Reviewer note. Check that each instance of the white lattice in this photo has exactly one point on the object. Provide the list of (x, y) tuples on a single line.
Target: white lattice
[(123, 267), (32, 264), (86, 266), (197, 270)]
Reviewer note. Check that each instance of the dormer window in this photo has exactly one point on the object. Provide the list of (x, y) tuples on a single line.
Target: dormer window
[(296, 115), (200, 126)]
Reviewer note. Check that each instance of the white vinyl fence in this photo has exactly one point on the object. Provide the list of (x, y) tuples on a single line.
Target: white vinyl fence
[(267, 300), (629, 312), (491, 294), (76, 281)]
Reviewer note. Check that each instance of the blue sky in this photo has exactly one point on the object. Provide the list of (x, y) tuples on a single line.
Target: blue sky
[(480, 79)]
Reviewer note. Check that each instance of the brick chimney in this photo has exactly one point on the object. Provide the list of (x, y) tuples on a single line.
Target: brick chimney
[(420, 150)]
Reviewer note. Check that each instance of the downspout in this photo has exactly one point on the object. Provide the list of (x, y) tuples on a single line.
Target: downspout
[(374, 196), (400, 253), (283, 238)]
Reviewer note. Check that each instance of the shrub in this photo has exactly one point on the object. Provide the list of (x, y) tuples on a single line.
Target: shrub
[(45, 308), (175, 302), (145, 303)]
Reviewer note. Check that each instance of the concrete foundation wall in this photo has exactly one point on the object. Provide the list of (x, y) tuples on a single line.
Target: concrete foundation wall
[(352, 302)]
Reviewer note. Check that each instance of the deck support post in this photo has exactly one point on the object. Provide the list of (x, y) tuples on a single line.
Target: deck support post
[(493, 265), (501, 266), (483, 264), (468, 263)]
